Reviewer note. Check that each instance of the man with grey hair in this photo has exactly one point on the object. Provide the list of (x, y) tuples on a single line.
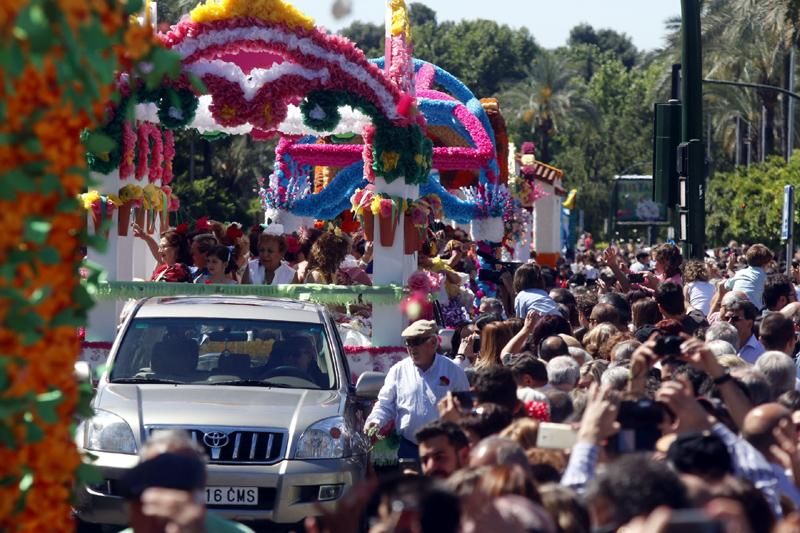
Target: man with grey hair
[(580, 355), (623, 352), (779, 370), (720, 347), (721, 330), (563, 373), (615, 378), (492, 306)]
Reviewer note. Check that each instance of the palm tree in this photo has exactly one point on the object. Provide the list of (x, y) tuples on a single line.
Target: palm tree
[(747, 41), (546, 99)]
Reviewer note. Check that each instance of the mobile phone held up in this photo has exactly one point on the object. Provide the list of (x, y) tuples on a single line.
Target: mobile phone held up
[(556, 436), (636, 277)]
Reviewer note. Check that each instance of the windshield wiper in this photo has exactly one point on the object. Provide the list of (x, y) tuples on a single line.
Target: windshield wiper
[(252, 383), (147, 380)]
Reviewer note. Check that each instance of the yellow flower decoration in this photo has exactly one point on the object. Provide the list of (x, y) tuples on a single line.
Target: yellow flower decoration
[(130, 192), (152, 197), (88, 198), (272, 11), (400, 22), (390, 160), (375, 205)]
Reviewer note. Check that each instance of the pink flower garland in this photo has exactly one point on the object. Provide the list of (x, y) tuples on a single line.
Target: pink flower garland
[(128, 151), (149, 161), (169, 155)]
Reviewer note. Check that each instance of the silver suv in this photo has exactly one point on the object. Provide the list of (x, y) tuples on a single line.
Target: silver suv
[(262, 384)]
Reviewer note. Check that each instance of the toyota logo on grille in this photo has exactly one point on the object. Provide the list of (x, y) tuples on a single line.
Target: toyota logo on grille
[(215, 439)]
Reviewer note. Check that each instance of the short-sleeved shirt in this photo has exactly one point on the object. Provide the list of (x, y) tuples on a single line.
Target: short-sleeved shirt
[(534, 300)]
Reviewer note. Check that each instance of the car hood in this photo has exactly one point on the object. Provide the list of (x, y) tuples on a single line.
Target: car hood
[(218, 405)]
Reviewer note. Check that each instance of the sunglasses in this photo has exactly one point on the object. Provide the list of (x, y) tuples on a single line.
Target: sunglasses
[(416, 341), (733, 319)]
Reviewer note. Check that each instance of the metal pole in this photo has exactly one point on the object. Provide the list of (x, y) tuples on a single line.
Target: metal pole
[(738, 141), (763, 133), (692, 124), (787, 225), (749, 145), (790, 108)]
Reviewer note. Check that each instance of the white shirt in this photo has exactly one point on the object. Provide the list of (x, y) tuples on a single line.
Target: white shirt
[(700, 294), (284, 274), (409, 395), (637, 267), (751, 350)]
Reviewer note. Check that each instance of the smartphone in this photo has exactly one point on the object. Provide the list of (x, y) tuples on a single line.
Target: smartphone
[(636, 277), (404, 464), (465, 400), (556, 436), (692, 521), (476, 345)]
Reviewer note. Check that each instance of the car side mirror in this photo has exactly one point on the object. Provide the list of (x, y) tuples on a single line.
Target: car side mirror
[(369, 385), (83, 372)]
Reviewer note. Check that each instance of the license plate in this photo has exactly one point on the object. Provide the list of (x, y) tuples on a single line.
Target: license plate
[(231, 496)]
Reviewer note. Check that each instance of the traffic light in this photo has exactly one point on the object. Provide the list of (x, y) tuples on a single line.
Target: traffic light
[(691, 211), (666, 138)]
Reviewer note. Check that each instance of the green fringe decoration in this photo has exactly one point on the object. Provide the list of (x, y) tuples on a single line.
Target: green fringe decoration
[(323, 294)]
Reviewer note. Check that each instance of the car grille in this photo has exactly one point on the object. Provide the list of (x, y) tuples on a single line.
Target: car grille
[(227, 445)]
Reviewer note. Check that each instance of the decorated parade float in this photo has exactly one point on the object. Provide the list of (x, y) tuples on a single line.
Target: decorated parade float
[(398, 141)]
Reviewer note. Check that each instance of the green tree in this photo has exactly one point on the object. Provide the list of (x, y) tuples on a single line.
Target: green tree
[(746, 203), (604, 40), (542, 104), (618, 140), (367, 36)]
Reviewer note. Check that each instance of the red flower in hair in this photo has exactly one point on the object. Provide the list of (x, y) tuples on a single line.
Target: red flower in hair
[(234, 232), (202, 224), (319, 224), (538, 410), (183, 228), (292, 244)]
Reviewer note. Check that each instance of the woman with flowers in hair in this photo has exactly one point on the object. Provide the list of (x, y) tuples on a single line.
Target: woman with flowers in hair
[(270, 268), (172, 254)]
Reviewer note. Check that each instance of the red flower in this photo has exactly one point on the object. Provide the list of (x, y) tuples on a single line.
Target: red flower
[(234, 233), (292, 244), (444, 381), (202, 224), (183, 228)]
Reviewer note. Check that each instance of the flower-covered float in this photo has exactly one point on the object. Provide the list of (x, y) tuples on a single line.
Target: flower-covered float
[(261, 68)]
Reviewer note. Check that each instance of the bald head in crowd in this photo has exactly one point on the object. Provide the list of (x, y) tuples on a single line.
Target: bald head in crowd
[(498, 451), (553, 347), (759, 424)]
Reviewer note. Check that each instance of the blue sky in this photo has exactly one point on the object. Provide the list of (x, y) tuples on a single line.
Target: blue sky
[(548, 21)]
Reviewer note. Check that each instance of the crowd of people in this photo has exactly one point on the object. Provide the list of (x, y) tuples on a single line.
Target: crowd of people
[(660, 394), (627, 388)]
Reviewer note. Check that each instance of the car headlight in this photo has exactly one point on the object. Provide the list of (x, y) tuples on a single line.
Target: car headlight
[(327, 439), (107, 432)]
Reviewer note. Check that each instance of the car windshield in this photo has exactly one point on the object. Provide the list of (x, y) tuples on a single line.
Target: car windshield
[(216, 351)]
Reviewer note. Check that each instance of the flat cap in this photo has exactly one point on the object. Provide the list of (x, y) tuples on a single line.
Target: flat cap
[(420, 328)]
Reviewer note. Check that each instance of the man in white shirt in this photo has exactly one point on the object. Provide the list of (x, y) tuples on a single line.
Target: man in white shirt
[(414, 386)]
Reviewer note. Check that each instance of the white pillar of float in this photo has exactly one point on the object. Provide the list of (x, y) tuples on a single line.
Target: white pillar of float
[(391, 266), (547, 226), (125, 258)]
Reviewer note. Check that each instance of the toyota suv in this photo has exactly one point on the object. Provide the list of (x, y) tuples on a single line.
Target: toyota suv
[(262, 384)]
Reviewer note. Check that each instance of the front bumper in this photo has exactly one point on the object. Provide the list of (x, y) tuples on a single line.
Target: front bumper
[(288, 490)]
